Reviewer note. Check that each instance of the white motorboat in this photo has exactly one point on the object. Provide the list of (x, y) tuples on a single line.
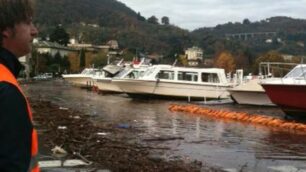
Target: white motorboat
[(250, 93), (105, 84), (289, 92), (179, 82), (83, 79)]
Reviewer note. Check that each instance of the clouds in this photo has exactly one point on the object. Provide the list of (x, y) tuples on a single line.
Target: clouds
[(193, 14)]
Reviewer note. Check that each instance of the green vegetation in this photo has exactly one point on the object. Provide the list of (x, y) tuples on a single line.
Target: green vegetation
[(98, 21), (45, 62)]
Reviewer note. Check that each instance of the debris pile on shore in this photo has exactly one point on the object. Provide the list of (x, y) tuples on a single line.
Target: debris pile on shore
[(103, 146)]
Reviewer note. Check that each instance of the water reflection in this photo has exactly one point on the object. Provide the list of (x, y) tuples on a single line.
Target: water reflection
[(231, 145), (174, 125), (198, 131)]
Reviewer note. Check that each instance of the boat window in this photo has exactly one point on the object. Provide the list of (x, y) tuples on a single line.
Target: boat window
[(165, 74), (297, 72), (187, 76), (210, 77), (141, 74)]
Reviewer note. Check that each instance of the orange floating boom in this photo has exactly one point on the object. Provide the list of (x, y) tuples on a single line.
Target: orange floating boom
[(240, 116)]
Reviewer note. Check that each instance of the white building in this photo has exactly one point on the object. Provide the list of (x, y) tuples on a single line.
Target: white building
[(194, 55), (53, 48), (113, 44)]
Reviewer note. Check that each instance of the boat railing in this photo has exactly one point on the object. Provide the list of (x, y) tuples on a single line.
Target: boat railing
[(236, 78), (284, 72), (275, 69)]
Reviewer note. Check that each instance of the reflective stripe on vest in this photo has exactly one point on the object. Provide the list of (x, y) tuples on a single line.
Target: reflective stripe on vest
[(7, 76)]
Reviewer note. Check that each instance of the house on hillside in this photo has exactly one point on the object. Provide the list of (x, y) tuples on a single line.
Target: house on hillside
[(194, 56), (113, 44), (90, 47), (53, 48)]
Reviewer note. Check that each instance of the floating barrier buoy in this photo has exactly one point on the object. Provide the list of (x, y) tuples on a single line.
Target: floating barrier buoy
[(240, 116)]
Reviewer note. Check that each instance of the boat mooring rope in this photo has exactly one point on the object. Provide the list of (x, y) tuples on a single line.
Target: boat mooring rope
[(240, 117)]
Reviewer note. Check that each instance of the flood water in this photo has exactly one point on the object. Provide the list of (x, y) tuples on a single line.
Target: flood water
[(233, 146)]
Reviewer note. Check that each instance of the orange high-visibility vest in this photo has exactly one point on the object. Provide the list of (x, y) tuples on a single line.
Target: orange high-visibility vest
[(7, 76)]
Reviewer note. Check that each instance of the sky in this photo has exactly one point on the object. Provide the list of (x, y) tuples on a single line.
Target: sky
[(193, 14)]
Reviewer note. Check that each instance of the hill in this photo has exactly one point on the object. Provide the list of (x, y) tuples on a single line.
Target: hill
[(284, 34), (97, 21)]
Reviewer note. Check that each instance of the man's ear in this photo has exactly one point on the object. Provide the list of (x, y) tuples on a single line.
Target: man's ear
[(7, 33)]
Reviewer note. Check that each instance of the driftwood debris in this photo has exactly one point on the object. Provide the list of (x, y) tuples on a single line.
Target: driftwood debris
[(116, 151)]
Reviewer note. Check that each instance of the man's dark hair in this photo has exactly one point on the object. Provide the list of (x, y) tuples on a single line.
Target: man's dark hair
[(13, 12)]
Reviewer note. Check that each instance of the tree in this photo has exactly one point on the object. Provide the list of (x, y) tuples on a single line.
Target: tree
[(242, 58), (226, 61), (82, 59), (153, 20), (100, 59), (271, 56), (140, 17), (129, 54), (246, 21), (165, 20), (39, 62), (58, 63), (183, 60), (59, 35), (65, 64)]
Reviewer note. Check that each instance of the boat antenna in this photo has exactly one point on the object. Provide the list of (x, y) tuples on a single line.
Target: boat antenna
[(120, 62), (174, 63)]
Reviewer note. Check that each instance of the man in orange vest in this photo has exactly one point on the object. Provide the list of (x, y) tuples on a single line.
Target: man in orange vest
[(18, 138)]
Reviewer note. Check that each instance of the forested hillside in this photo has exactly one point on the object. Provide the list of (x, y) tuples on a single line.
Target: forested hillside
[(286, 35), (97, 21)]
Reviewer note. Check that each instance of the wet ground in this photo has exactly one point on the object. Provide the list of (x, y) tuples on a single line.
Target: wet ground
[(233, 146)]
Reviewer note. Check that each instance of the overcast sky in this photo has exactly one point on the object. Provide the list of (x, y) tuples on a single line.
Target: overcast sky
[(192, 14)]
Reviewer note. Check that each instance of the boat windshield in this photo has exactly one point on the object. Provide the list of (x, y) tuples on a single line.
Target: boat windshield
[(297, 72), (148, 72), (89, 71), (123, 73)]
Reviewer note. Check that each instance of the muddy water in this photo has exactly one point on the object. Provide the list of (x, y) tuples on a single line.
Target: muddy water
[(232, 146)]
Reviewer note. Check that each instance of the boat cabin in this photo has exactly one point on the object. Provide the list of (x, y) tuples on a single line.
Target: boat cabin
[(182, 74)]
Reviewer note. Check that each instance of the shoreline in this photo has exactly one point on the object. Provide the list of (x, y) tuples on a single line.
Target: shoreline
[(106, 146)]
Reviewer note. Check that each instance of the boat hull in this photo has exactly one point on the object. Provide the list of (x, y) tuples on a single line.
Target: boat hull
[(80, 81), (258, 98), (169, 89), (106, 85), (291, 98)]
